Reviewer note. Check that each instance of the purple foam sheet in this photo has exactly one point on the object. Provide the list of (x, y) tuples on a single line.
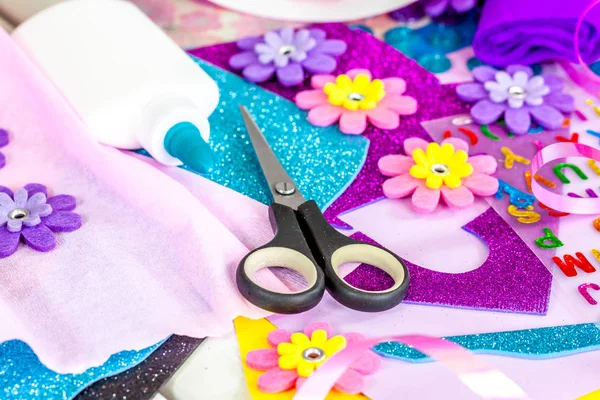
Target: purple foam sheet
[(366, 51), (511, 279)]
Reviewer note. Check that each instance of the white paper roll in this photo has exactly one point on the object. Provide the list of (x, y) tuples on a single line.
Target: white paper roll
[(314, 10)]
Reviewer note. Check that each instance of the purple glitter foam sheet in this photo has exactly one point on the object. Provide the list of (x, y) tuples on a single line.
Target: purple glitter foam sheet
[(489, 287), (500, 284)]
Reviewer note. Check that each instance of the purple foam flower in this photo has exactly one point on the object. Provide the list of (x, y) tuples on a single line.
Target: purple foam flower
[(3, 142), (435, 8), (29, 214), (517, 96), (288, 54)]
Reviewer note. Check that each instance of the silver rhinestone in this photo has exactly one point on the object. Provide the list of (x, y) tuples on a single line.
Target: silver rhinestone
[(517, 92), (356, 96), (440, 169), (285, 188), (462, 120), (313, 354), (287, 50), (19, 214)]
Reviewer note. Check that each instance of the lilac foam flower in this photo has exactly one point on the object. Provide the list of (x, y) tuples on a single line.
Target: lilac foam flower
[(288, 54), (3, 142), (517, 96), (435, 8), (30, 215)]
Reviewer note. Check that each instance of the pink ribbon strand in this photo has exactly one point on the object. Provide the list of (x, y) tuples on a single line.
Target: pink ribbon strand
[(483, 380)]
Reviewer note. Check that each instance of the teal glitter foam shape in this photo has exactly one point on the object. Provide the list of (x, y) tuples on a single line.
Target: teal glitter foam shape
[(540, 343), (323, 162), (24, 377)]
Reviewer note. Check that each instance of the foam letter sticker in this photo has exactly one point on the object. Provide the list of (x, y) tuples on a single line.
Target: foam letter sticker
[(526, 216), (568, 265), (549, 240), (583, 289)]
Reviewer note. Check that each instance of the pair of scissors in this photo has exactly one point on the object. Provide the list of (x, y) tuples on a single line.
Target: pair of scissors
[(305, 242)]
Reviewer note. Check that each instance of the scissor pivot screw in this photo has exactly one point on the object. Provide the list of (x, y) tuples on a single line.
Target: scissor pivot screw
[(285, 188)]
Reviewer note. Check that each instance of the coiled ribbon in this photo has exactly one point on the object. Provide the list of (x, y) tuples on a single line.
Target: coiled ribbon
[(557, 201), (485, 381)]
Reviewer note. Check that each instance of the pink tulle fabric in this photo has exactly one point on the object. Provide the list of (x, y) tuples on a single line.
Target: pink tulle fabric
[(156, 253)]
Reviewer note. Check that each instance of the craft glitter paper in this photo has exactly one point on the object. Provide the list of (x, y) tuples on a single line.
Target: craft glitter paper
[(435, 101), (497, 285), (458, 290), (322, 161), (23, 376), (143, 381), (559, 341)]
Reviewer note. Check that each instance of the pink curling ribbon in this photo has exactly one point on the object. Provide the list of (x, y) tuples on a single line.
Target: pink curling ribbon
[(583, 75), (554, 200), (483, 380)]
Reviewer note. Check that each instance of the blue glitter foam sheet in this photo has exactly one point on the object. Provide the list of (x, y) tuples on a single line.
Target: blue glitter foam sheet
[(540, 343), (24, 377), (322, 161)]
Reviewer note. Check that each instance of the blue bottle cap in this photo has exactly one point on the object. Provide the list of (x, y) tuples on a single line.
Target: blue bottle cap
[(183, 141), (399, 34), (474, 62), (444, 38), (362, 28), (435, 62)]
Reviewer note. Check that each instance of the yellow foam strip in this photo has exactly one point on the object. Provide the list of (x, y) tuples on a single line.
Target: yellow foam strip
[(591, 396), (252, 335)]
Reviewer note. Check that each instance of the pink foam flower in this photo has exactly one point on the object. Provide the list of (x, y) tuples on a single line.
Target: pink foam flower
[(430, 171), (354, 99), (295, 356)]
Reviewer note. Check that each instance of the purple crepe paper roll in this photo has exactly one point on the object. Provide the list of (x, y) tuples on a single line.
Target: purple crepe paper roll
[(530, 31)]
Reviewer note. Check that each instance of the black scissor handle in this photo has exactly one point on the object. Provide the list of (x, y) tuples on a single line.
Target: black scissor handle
[(336, 249), (288, 249)]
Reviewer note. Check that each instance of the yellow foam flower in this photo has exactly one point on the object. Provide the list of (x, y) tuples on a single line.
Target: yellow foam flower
[(362, 93), (441, 165), (305, 355)]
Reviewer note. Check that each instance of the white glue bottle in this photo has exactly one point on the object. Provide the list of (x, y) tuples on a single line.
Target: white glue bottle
[(132, 85)]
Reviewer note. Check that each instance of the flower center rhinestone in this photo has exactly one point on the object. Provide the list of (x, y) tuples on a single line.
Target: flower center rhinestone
[(440, 169), (287, 50), (18, 214), (313, 354), (462, 120), (354, 96), (517, 92)]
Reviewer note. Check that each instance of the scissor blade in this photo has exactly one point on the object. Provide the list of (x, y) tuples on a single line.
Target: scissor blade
[(282, 187)]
